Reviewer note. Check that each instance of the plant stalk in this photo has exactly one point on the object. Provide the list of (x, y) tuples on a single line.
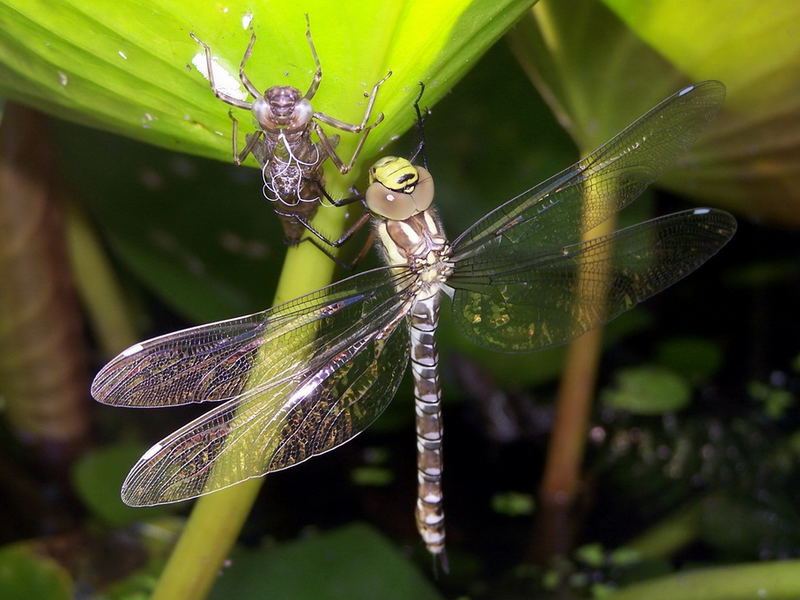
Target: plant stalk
[(560, 488), (217, 518), (778, 580)]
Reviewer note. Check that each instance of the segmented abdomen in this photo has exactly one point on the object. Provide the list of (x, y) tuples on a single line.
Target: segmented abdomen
[(423, 320)]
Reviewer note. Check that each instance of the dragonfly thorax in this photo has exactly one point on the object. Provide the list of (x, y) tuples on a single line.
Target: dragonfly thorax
[(419, 244), (432, 271), (282, 107)]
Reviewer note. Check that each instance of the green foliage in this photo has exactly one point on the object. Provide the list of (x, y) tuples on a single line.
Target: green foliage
[(776, 401), (755, 521), (351, 562), (694, 358), (376, 476), (97, 478), (196, 232), (513, 504), (23, 574), (750, 159), (598, 63), (131, 68), (198, 235), (777, 580), (647, 391), (591, 555)]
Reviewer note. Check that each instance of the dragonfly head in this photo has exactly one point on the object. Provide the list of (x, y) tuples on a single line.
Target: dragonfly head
[(282, 107), (397, 189)]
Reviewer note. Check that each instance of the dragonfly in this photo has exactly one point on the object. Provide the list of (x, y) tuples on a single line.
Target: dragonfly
[(302, 378), (291, 162)]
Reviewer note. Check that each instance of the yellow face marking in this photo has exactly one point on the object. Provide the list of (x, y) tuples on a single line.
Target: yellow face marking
[(394, 173)]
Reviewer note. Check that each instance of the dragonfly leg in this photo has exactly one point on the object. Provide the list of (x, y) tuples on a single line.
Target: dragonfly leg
[(210, 68), (362, 128), (368, 243), (349, 233), (242, 75), (312, 89), (420, 124), (252, 141), (355, 195), (319, 246)]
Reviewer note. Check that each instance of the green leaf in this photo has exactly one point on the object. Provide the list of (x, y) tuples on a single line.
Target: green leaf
[(195, 231), (692, 357), (588, 66), (130, 67), (353, 562), (513, 504), (372, 476), (625, 557), (98, 477), (600, 69), (759, 528), (776, 401), (23, 574), (592, 555), (779, 580), (199, 234), (647, 391), (752, 155)]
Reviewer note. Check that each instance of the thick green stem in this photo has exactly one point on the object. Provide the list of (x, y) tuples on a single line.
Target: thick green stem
[(567, 441), (671, 534), (97, 285), (562, 478), (217, 518), (773, 580)]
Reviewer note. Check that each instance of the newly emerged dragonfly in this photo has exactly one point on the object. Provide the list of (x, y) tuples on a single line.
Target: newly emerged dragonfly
[(304, 377), (291, 162)]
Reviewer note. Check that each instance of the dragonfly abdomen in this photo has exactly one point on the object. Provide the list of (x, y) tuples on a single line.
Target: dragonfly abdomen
[(423, 319)]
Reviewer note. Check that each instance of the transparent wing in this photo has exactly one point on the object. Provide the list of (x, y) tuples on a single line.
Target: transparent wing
[(340, 355), (521, 303), (217, 361), (558, 210)]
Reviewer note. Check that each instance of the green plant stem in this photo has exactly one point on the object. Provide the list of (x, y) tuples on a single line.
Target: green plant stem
[(568, 439), (100, 292), (562, 473), (205, 542), (217, 518), (772, 580), (671, 534)]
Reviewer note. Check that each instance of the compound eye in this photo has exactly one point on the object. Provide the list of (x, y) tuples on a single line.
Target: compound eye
[(389, 204), (263, 113), (302, 113), (422, 192)]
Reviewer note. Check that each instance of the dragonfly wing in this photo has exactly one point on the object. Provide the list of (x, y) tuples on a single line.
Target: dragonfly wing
[(220, 361), (521, 304), (331, 398), (558, 210)]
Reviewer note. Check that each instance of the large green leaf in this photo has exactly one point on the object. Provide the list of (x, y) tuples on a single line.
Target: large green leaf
[(185, 227), (599, 69), (352, 562), (196, 232), (130, 67), (23, 574), (751, 159), (779, 580)]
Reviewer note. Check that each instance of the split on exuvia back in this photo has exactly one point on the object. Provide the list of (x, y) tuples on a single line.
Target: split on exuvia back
[(304, 377), (291, 162)]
